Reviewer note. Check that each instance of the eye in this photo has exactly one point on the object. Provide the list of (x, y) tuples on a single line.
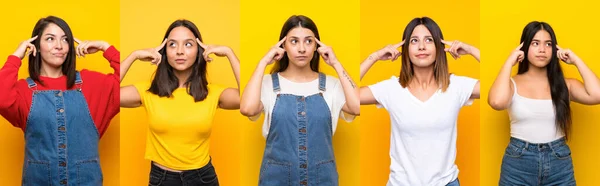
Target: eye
[(534, 43), (308, 41), (188, 44), (548, 44), (49, 39), (413, 40), (172, 44), (293, 41), (65, 40), (429, 40)]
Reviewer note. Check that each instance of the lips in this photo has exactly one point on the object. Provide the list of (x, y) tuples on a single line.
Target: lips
[(301, 57), (180, 61), (58, 54), (422, 55), (541, 57)]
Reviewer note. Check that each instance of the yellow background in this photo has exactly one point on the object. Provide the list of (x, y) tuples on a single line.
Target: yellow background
[(382, 23), (574, 23), (338, 24), (88, 20), (143, 25)]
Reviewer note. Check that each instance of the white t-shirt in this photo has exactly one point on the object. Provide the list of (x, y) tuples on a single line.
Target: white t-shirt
[(333, 95), (423, 140)]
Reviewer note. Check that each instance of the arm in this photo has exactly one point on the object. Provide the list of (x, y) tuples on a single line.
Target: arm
[(502, 90), (129, 96), (250, 104), (229, 98), (587, 93), (389, 52)]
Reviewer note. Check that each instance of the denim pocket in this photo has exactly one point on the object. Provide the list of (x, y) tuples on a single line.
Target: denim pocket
[(36, 173), (327, 173), (275, 173), (562, 151), (89, 172), (155, 178), (513, 151), (209, 176)]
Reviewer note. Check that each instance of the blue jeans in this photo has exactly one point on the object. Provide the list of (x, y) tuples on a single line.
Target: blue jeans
[(454, 183), (527, 163)]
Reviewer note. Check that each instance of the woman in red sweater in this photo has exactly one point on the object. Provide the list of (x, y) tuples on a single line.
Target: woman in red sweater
[(63, 112)]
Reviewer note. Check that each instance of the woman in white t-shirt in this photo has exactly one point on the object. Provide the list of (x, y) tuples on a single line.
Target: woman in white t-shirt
[(423, 104), (301, 107), (538, 99)]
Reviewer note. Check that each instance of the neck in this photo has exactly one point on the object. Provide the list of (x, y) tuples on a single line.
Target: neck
[(182, 76), (423, 77), (298, 74), (49, 71), (537, 72)]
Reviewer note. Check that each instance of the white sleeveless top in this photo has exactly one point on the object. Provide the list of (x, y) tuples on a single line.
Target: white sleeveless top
[(532, 120)]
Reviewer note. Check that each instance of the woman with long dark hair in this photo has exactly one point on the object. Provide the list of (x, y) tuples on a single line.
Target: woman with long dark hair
[(301, 107), (63, 112), (538, 99), (423, 104), (180, 104)]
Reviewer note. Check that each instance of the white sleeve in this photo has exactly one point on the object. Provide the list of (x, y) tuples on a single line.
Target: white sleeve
[(339, 100), (266, 90), (380, 91), (464, 89)]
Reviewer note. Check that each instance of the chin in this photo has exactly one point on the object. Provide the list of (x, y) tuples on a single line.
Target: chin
[(422, 63), (540, 64)]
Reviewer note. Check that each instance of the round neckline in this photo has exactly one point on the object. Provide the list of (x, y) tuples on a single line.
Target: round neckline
[(311, 81)]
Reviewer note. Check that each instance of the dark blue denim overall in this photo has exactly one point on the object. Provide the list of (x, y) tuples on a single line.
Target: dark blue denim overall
[(299, 144), (61, 140)]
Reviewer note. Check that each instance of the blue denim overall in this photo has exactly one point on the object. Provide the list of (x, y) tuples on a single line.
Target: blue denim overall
[(61, 140), (299, 150)]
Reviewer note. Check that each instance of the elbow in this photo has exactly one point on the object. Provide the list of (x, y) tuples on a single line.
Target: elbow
[(497, 104), (248, 111)]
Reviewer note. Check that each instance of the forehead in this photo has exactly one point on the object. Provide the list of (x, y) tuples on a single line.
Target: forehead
[(300, 32), (542, 35), (181, 33), (421, 31), (53, 29)]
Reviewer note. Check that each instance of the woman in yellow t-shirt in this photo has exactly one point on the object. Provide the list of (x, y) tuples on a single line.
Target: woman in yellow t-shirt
[(181, 105)]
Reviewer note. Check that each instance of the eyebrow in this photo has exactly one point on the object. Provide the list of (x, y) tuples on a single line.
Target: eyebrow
[(418, 36), (304, 37), (540, 40), (183, 40), (54, 35)]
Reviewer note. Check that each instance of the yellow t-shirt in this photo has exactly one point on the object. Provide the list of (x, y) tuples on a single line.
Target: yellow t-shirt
[(179, 128)]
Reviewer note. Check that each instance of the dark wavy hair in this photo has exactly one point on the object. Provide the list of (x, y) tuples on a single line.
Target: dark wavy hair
[(556, 79), (165, 81), (35, 62), (293, 22)]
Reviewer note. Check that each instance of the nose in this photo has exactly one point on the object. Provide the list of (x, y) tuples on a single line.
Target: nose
[(58, 46), (542, 49), (302, 48), (179, 50), (421, 45)]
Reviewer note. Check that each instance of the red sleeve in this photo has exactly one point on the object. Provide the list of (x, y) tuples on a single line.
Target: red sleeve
[(13, 105), (101, 91)]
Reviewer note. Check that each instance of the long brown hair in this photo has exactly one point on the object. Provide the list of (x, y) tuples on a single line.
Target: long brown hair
[(440, 66)]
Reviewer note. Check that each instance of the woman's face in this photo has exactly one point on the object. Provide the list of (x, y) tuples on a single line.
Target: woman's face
[(421, 47), (54, 46), (300, 46), (540, 49), (181, 48)]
